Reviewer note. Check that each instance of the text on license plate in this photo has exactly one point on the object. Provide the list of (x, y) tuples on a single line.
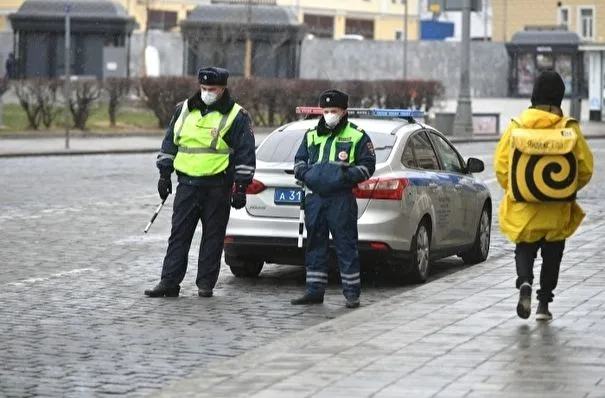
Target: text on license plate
[(287, 196)]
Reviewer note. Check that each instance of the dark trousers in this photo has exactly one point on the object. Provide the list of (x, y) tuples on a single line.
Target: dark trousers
[(192, 203), (337, 214), (552, 253)]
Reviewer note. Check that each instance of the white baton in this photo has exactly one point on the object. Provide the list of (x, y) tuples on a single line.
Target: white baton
[(301, 217)]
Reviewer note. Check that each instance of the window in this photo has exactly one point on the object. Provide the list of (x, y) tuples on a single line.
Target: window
[(423, 151), (282, 147), (448, 156), (563, 16), (320, 25), (586, 22), (398, 35), (160, 19), (407, 158), (364, 27)]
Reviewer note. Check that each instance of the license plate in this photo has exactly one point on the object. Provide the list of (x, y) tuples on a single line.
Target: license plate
[(287, 196)]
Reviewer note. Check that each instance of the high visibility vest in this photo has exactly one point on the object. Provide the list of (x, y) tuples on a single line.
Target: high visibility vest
[(201, 149), (342, 145)]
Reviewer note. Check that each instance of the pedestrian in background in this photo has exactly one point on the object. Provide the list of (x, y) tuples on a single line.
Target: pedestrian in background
[(541, 161), (11, 67), (210, 144), (332, 158)]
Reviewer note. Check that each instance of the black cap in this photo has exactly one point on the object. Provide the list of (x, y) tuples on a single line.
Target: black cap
[(334, 99), (549, 89), (213, 76)]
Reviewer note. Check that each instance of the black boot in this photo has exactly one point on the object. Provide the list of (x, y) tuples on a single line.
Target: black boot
[(352, 303), (543, 314), (161, 290), (308, 299)]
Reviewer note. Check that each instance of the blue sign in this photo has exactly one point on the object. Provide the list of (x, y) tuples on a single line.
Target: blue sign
[(67, 8), (287, 196)]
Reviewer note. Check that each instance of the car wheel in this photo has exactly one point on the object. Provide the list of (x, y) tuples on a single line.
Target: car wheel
[(421, 253), (480, 250), (244, 268)]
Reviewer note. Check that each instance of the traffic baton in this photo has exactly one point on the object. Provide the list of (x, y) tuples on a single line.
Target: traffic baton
[(157, 211), (301, 216)]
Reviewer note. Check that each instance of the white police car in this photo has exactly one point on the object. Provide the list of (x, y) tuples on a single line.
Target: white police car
[(422, 203)]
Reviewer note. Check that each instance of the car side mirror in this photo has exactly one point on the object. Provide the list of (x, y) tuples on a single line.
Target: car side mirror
[(474, 165)]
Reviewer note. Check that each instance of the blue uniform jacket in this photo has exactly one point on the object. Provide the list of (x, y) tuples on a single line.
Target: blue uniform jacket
[(240, 138), (329, 177)]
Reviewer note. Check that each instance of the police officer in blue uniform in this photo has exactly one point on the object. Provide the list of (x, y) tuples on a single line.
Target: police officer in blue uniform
[(210, 144), (332, 159)]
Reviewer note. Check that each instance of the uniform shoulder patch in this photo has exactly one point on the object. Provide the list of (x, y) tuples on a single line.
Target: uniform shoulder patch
[(370, 148), (356, 127)]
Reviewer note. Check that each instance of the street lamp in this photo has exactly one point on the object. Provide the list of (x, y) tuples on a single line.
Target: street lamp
[(463, 122), (67, 70), (405, 40)]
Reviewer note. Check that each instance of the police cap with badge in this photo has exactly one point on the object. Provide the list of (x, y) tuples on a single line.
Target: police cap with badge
[(213, 76), (333, 99)]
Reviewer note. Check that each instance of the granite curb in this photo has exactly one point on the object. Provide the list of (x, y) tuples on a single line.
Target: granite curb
[(116, 151)]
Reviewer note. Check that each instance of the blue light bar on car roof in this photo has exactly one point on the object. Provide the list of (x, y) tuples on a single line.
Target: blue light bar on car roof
[(368, 112)]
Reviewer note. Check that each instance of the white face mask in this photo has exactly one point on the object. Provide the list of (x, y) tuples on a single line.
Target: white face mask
[(209, 97), (332, 119)]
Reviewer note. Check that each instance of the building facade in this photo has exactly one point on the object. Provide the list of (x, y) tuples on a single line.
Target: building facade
[(372, 19)]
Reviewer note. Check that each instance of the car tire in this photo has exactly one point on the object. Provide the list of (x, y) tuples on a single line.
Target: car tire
[(480, 250), (421, 253), (244, 267)]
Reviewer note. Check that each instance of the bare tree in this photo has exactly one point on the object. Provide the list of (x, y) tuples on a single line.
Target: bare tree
[(84, 95), (116, 88)]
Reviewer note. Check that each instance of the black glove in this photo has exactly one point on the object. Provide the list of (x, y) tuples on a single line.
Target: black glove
[(164, 187), (238, 198), (299, 174), (346, 175)]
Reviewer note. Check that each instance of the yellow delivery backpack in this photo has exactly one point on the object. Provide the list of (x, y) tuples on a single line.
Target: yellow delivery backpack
[(543, 167)]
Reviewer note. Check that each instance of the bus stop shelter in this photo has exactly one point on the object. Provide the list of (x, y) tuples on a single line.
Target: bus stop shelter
[(536, 49), (217, 34), (99, 38)]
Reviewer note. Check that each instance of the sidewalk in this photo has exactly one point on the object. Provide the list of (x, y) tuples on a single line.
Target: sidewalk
[(458, 336), (55, 146)]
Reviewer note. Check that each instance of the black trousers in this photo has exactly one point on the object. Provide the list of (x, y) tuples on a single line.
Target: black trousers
[(552, 253), (192, 203)]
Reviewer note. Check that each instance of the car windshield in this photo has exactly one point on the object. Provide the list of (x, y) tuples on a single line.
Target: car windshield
[(282, 146)]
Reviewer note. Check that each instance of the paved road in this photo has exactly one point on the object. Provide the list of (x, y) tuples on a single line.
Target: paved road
[(75, 263)]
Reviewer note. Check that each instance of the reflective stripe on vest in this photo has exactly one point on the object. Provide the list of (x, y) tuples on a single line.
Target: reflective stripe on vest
[(201, 148), (342, 150)]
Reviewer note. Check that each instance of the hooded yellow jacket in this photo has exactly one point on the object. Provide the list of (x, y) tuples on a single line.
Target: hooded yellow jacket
[(530, 222)]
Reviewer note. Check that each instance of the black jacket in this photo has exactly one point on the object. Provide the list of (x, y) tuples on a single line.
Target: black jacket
[(240, 138)]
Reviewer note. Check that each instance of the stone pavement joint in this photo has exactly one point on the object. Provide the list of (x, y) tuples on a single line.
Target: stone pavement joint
[(456, 336)]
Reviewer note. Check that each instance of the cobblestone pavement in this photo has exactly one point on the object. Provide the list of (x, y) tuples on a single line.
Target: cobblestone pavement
[(75, 263), (456, 337)]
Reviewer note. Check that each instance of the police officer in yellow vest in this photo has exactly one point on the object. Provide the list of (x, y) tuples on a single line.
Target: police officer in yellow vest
[(331, 160), (211, 146), (539, 211)]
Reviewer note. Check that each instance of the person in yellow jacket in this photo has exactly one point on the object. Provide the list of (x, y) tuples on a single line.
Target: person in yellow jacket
[(540, 225)]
